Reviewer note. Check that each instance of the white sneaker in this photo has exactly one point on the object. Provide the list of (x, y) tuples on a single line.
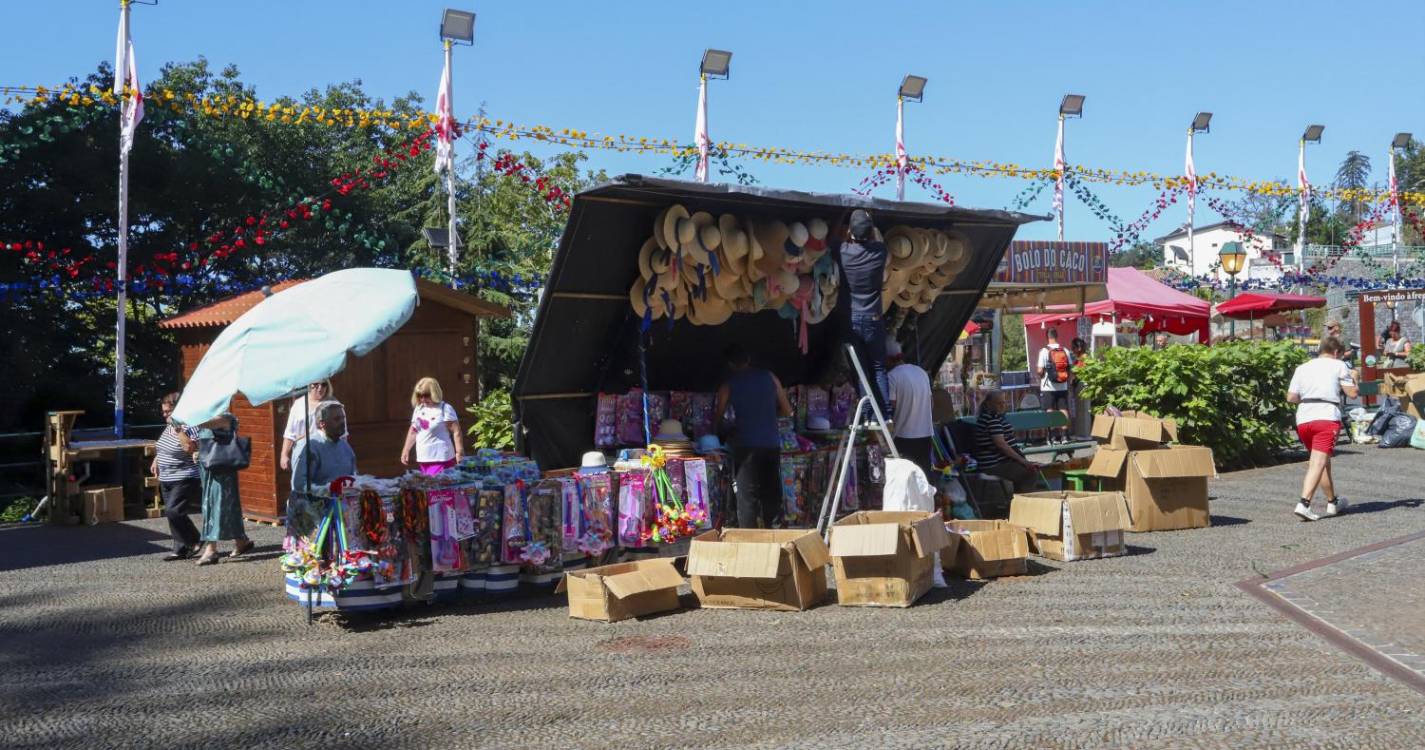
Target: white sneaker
[(1303, 511), (1335, 507)]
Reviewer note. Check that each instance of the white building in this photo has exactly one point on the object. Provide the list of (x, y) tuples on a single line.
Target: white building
[(1208, 241)]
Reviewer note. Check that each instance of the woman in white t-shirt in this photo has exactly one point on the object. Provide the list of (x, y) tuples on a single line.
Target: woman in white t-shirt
[(1316, 389), (435, 430)]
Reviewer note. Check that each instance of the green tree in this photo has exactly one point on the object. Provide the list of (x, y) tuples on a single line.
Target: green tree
[(1353, 174)]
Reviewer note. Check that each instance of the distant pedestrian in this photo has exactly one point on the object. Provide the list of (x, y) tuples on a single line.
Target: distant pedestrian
[(1055, 368), (435, 430), (1161, 341), (1396, 347), (861, 259), (222, 505), (757, 400), (326, 457), (299, 413), (178, 483), (1316, 387), (910, 402)]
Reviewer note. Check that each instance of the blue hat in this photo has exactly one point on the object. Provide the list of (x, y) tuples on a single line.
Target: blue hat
[(709, 444)]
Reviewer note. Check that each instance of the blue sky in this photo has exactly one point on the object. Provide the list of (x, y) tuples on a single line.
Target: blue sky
[(823, 75)]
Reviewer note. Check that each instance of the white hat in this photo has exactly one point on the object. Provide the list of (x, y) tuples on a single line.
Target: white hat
[(594, 461), (818, 424)]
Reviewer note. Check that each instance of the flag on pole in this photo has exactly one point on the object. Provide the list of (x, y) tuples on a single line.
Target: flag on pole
[(902, 161), (445, 121), (1059, 179), (1190, 172), (132, 109), (1304, 185), (1394, 186), (122, 48), (700, 134)]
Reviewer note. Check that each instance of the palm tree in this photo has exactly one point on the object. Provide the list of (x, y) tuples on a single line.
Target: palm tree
[(1354, 171)]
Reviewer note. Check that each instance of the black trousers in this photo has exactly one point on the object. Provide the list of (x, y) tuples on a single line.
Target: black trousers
[(759, 486), (180, 498), (919, 452), (867, 337)]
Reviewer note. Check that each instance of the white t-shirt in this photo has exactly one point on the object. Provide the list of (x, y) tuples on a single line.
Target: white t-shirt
[(1321, 378), (910, 390), (1046, 366), (297, 418), (433, 441)]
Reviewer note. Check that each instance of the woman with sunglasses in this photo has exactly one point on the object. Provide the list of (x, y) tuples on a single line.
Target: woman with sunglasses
[(300, 414), (178, 484)]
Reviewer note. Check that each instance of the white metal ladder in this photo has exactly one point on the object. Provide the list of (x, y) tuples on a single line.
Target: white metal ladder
[(860, 420)]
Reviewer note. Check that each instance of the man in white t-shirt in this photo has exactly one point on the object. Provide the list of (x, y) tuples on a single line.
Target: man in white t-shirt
[(911, 406), (301, 409), (1316, 388), (1055, 368)]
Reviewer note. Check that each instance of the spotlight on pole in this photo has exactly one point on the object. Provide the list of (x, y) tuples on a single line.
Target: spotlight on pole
[(1400, 141), (717, 63), (1072, 105), (1200, 123), (437, 237), (458, 26), (913, 88), (1313, 133)]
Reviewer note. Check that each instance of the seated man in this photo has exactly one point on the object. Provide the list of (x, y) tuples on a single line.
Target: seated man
[(328, 456), (996, 451)]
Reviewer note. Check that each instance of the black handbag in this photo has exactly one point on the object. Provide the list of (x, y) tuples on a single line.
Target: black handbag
[(225, 452)]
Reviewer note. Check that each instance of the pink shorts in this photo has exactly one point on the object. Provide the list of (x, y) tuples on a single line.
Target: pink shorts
[(436, 467), (1319, 435)]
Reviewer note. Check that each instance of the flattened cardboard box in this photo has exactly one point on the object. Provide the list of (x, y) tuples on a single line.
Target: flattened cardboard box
[(1133, 429), (103, 505), (1072, 526), (887, 558), (1166, 488), (988, 549), (1409, 390), (781, 569), (611, 593)]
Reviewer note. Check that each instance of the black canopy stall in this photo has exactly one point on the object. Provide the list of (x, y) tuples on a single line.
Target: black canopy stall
[(586, 336)]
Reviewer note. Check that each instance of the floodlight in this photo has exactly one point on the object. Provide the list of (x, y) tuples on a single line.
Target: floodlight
[(1072, 106), (717, 63), (437, 236), (458, 26), (1401, 140), (1313, 133), (913, 88), (1199, 123)]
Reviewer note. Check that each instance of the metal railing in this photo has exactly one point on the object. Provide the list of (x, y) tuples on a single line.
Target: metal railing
[(1384, 250)]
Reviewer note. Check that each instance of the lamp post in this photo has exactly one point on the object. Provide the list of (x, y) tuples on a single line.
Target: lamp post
[(912, 88), (1400, 142), (1199, 124), (1311, 135), (1233, 258), (456, 26), (716, 63), (1072, 105)]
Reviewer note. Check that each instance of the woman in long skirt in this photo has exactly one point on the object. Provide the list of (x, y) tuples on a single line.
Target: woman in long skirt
[(222, 507)]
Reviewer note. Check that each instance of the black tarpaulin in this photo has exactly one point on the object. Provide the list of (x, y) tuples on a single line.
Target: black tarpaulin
[(586, 337)]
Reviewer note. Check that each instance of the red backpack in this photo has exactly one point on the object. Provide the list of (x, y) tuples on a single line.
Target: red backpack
[(1060, 359)]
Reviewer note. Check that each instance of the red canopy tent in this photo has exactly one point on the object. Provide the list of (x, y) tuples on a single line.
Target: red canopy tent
[(1133, 295), (1259, 304)]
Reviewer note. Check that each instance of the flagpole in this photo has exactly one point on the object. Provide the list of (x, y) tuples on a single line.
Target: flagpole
[(453, 249), (1191, 206), (1305, 207), (1395, 212), (901, 160), (1059, 167), (121, 69), (700, 171)]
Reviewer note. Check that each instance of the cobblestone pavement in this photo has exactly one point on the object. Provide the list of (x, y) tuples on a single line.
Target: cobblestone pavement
[(105, 646), (1363, 597)]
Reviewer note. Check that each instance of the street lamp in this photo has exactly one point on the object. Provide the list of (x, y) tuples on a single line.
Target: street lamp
[(1072, 105), (1233, 258), (456, 27), (1199, 124), (912, 88), (717, 63), (1400, 142), (1312, 134)]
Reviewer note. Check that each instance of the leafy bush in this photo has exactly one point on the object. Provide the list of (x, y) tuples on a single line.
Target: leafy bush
[(1416, 360), (494, 425), (1229, 397)]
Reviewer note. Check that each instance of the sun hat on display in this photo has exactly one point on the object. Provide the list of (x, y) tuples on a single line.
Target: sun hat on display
[(594, 462)]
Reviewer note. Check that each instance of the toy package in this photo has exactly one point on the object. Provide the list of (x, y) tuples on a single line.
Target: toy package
[(699, 421), (629, 418), (635, 508), (596, 495), (794, 498), (606, 421), (697, 492), (818, 403), (450, 522), (843, 401), (542, 551), (487, 505), (573, 510)]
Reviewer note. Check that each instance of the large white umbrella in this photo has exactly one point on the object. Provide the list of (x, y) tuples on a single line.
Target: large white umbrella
[(298, 336)]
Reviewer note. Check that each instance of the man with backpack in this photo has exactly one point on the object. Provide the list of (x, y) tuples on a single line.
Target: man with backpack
[(1055, 368)]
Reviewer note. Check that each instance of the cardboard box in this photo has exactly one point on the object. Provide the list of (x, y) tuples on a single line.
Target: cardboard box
[(1409, 389), (887, 558), (1166, 488), (1073, 525), (610, 593), (781, 569), (988, 549), (103, 505), (1132, 430)]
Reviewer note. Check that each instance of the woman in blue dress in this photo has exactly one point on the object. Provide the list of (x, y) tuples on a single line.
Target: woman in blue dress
[(222, 507)]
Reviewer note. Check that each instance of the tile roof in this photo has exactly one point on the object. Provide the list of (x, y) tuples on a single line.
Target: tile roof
[(225, 311)]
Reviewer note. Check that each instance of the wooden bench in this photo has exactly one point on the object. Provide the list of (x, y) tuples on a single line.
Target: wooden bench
[(1045, 421)]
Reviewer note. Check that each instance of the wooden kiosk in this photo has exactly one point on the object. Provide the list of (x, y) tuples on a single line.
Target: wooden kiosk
[(439, 341), (1370, 344)]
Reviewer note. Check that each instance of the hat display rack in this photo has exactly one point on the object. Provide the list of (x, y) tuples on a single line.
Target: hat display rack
[(705, 269)]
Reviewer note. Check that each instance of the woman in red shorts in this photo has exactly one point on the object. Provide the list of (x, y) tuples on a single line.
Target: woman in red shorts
[(1316, 389)]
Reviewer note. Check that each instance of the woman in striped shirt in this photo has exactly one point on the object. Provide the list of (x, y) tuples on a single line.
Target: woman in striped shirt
[(996, 451), (178, 485)]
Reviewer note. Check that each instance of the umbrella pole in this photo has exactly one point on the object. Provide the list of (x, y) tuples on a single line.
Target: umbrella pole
[(307, 473)]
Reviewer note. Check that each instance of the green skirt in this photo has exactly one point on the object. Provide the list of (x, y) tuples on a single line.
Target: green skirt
[(222, 509)]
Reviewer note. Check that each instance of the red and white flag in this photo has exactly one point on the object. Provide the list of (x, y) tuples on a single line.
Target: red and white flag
[(1059, 166), (1190, 172), (1394, 186), (122, 48), (902, 160), (132, 109), (1304, 185), (700, 132), (445, 122)]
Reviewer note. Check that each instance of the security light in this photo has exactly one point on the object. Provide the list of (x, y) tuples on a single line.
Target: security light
[(913, 88), (1401, 140), (1072, 106), (1313, 133), (458, 26), (437, 236), (717, 63), (1199, 123)]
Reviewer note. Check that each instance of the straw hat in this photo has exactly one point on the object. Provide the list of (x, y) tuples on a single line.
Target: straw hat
[(818, 230), (704, 239), (921, 240), (734, 242), (899, 242), (645, 258), (907, 297), (772, 236), (670, 429), (956, 247), (658, 235), (797, 236), (674, 235), (640, 306), (728, 282), (711, 311)]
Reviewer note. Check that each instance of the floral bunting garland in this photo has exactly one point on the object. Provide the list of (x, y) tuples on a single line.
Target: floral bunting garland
[(1028, 195), (286, 113), (1096, 206), (883, 176), (1130, 233)]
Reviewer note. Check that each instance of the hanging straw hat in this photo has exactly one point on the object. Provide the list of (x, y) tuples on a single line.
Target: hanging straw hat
[(673, 234), (734, 242), (772, 236), (702, 235), (658, 235), (921, 239), (729, 282), (818, 230), (899, 243), (645, 258), (655, 300), (797, 236), (711, 311)]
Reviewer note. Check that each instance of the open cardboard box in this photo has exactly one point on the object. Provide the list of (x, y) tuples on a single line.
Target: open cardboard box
[(1073, 525), (781, 569), (1166, 488), (1409, 389), (610, 593), (887, 558), (1133, 429), (988, 549)]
